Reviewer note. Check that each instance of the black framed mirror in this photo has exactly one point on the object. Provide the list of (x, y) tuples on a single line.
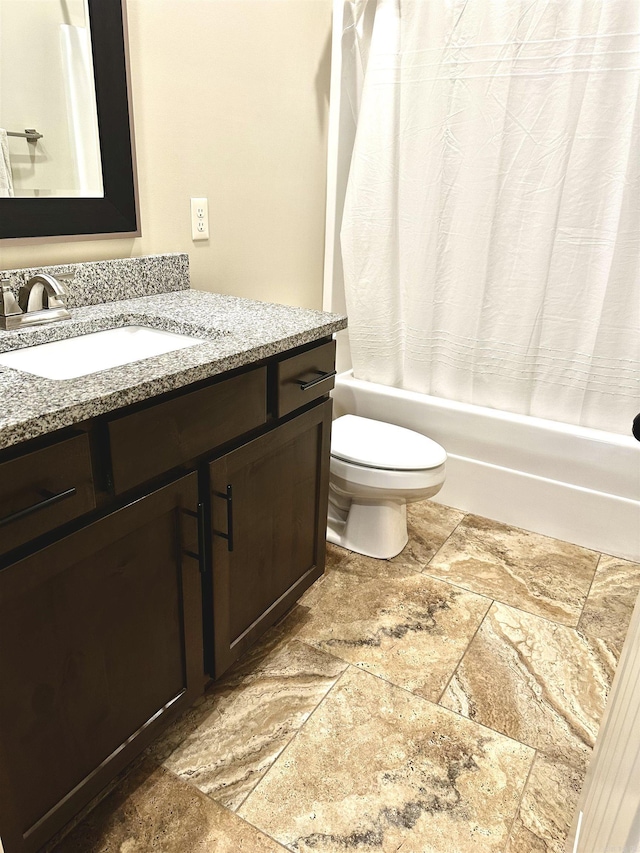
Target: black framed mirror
[(115, 211)]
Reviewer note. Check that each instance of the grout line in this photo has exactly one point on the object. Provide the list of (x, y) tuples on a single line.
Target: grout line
[(431, 702), (201, 793), (485, 726), (491, 598), (504, 603), (620, 559), (415, 695), (547, 619), (467, 589), (323, 651), (421, 570), (282, 635), (435, 553), (459, 586), (586, 598), (281, 846), (295, 736), (522, 793), (462, 656), (517, 527)]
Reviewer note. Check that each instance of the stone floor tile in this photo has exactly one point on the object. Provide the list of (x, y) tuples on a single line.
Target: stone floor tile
[(396, 623), (226, 744), (429, 525), (548, 805), (152, 810), (536, 681), (535, 573), (187, 723), (377, 768), (611, 599), (341, 560)]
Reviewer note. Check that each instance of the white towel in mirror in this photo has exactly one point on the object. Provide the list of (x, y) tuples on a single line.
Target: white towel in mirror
[(6, 178)]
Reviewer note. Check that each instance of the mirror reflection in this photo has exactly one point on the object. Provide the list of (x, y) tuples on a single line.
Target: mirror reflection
[(49, 138)]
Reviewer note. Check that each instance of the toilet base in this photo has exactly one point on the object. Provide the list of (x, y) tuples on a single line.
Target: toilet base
[(373, 528)]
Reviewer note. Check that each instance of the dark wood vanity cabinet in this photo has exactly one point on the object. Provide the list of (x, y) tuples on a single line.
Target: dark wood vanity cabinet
[(268, 504), (188, 526), (100, 643), (146, 443), (43, 489)]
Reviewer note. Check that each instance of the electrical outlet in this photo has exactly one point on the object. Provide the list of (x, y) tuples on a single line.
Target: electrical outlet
[(199, 219)]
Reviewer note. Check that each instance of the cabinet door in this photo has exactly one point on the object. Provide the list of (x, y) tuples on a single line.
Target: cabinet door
[(270, 497), (100, 647)]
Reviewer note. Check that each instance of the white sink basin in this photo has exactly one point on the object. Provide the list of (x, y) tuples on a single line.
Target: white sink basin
[(96, 351)]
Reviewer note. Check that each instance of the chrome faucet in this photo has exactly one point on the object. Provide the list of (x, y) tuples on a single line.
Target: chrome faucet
[(39, 289), (42, 299)]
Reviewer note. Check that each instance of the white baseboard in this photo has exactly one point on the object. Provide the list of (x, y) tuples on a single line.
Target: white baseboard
[(593, 519)]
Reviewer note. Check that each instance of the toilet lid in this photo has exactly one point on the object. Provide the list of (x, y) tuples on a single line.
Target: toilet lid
[(380, 445)]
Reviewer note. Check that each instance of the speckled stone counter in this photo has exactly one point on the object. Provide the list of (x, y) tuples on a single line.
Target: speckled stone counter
[(234, 332), (96, 282)]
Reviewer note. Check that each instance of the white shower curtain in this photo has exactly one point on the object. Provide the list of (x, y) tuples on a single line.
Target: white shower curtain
[(82, 110), (491, 230)]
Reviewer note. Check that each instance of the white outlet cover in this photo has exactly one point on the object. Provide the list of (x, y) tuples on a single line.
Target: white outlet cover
[(199, 219)]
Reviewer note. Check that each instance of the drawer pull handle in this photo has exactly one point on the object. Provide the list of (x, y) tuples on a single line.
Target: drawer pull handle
[(49, 500), (304, 386), (228, 497)]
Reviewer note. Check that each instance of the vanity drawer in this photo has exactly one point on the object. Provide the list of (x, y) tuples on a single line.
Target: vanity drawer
[(163, 436), (305, 377), (44, 489)]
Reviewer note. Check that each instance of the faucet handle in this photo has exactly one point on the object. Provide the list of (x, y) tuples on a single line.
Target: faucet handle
[(58, 300), (64, 277), (8, 302)]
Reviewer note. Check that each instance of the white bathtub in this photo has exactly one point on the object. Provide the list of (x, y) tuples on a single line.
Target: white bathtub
[(569, 482)]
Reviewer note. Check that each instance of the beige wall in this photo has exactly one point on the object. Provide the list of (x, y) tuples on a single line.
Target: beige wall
[(230, 101)]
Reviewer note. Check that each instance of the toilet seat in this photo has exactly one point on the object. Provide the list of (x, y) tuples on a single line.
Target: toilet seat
[(371, 444), (386, 479)]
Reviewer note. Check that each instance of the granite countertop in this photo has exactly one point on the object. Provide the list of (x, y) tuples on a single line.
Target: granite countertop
[(235, 332)]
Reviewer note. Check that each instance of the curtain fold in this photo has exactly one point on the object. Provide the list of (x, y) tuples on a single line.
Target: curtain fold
[(491, 230)]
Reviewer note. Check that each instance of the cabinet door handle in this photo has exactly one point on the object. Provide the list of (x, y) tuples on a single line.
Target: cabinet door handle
[(228, 497), (202, 538), (48, 500), (304, 386), (200, 556)]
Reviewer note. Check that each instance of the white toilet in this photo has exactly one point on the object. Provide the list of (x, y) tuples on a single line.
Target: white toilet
[(376, 470)]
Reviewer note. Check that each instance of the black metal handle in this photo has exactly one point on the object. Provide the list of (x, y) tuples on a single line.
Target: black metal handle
[(228, 497), (200, 556), (49, 500), (202, 539), (635, 429), (304, 386)]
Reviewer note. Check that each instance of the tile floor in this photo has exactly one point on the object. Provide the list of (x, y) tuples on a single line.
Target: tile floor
[(445, 701)]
